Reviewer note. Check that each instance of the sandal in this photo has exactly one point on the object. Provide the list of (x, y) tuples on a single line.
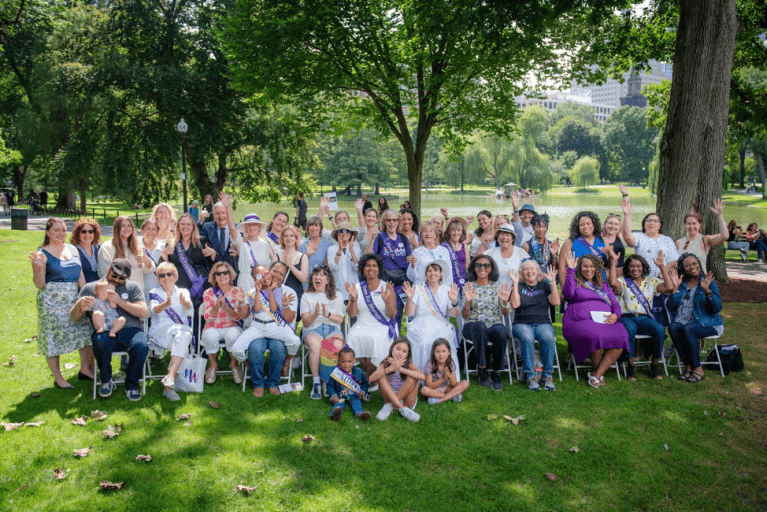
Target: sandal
[(593, 381), (685, 375), (631, 372), (695, 377), (655, 372)]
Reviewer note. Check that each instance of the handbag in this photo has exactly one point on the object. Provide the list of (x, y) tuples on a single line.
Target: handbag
[(731, 357), (191, 374), (660, 309)]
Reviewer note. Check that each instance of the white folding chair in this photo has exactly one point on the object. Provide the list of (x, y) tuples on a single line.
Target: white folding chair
[(517, 356), (575, 366), (467, 352), (246, 372), (705, 344), (646, 362), (198, 344), (119, 380)]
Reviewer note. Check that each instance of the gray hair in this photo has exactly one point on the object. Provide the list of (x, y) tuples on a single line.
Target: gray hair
[(530, 261)]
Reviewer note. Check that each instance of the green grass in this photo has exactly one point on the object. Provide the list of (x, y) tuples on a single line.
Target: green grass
[(454, 458)]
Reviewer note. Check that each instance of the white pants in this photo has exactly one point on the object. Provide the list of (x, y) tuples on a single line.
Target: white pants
[(211, 338), (176, 338), (272, 331)]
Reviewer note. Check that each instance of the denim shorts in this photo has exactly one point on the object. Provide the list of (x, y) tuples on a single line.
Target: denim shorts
[(324, 330)]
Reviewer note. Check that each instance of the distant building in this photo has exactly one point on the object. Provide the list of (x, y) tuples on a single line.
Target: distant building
[(550, 100), (611, 92), (634, 97)]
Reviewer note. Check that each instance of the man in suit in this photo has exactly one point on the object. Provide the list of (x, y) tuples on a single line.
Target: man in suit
[(218, 234)]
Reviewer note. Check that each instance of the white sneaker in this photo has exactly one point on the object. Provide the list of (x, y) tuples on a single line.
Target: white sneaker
[(373, 389), (409, 414), (171, 395), (237, 374), (743, 256), (385, 412), (168, 381)]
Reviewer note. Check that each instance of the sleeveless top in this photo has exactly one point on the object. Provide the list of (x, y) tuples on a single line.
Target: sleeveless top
[(62, 271), (698, 248)]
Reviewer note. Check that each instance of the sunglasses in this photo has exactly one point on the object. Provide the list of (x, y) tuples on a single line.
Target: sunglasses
[(87, 231), (119, 278), (162, 276), (344, 231), (483, 265), (223, 273)]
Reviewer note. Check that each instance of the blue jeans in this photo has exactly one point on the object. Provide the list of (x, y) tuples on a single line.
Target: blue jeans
[(685, 338), (760, 246), (527, 334), (480, 335), (644, 324), (277, 355), (354, 402), (128, 339)]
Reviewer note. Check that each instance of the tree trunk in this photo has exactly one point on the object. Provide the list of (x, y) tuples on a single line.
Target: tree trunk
[(693, 144), (19, 175), (377, 193), (760, 167), (83, 193), (742, 153)]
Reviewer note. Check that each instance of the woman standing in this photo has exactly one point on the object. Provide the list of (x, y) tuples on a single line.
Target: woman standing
[(408, 226), (425, 255), (315, 246), (543, 251), (484, 235), (124, 244), (698, 244), (58, 275), (455, 235), (276, 227), (383, 205), (485, 303), (86, 236), (152, 248), (584, 239), (296, 262), (368, 222), (344, 256), (611, 236), (166, 221), (253, 249), (506, 256), (429, 308)]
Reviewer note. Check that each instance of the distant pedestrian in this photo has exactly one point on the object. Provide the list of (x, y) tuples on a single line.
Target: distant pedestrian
[(301, 207)]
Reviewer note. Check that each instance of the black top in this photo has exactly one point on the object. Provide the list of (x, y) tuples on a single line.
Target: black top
[(302, 207), (292, 282), (534, 308), (199, 262)]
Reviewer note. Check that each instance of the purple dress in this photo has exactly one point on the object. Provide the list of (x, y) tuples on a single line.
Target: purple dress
[(581, 332)]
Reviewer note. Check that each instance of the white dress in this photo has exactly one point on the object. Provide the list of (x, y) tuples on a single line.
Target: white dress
[(506, 264), (368, 337), (345, 271), (261, 251), (424, 326), (426, 256)]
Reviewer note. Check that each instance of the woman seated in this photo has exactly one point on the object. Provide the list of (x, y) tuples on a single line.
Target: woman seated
[(636, 292), (485, 302), (429, 308), (696, 243), (372, 335), (272, 307), (695, 304), (222, 323), (590, 324), (322, 312), (424, 255), (755, 237), (735, 239), (532, 297), (171, 327)]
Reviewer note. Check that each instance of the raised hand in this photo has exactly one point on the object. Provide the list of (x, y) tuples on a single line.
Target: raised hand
[(204, 214), (608, 249), (623, 188), (286, 299), (628, 209), (718, 208), (554, 247), (169, 248), (469, 218), (239, 295), (324, 201), (514, 275), (660, 259), (443, 211), (572, 261), (225, 199), (183, 301), (504, 293), (388, 291), (412, 260), (359, 203), (515, 200), (38, 259), (209, 252), (705, 283), (453, 293), (408, 290), (468, 292), (673, 276), (551, 275), (352, 289)]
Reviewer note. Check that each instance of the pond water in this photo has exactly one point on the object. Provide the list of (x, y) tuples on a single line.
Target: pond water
[(561, 207)]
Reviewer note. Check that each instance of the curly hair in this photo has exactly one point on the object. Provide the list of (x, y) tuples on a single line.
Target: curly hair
[(74, 238), (542, 218), (330, 289), (680, 265), (597, 280), (364, 261), (645, 265), (471, 273), (416, 223), (575, 231)]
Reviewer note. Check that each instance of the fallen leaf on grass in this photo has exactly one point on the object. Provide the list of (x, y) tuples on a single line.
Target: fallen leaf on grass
[(665, 447), (147, 458), (98, 415), (515, 421), (80, 421), (60, 474), (106, 484), (184, 416), (34, 395), (188, 424), (113, 431), (575, 449), (11, 426), (30, 340), (83, 452), (552, 477), (299, 420), (307, 439), (756, 391), (11, 361), (215, 405), (22, 488), (37, 424), (722, 414), (69, 366), (245, 489)]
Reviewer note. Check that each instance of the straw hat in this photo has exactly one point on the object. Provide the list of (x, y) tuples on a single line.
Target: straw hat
[(342, 225)]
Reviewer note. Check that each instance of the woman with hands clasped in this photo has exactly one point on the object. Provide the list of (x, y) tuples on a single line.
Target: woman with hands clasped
[(695, 303), (344, 256), (171, 328), (532, 297), (429, 308), (698, 244), (373, 302), (590, 324), (424, 255), (636, 291), (485, 302)]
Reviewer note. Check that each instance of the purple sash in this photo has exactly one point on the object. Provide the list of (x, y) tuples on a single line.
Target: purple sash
[(639, 295), (276, 315), (459, 271), (431, 301), (589, 247), (274, 238), (170, 311), (590, 286), (220, 294), (252, 255), (149, 255), (197, 281), (375, 312)]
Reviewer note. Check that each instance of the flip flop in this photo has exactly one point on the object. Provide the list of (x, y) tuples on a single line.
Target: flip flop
[(593, 381)]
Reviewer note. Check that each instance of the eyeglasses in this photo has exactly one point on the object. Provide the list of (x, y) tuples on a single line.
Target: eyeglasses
[(223, 273), (652, 220), (87, 231), (163, 276), (344, 231), (483, 265)]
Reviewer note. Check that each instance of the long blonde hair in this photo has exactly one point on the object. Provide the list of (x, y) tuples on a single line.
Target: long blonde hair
[(195, 234)]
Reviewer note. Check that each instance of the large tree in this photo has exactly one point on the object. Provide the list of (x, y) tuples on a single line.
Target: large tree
[(451, 66), (629, 143)]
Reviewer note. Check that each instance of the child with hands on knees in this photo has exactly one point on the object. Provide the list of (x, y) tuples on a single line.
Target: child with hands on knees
[(441, 382), (397, 378), (348, 384), (104, 314)]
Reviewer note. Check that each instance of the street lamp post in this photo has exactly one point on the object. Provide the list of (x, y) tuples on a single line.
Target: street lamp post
[(182, 128)]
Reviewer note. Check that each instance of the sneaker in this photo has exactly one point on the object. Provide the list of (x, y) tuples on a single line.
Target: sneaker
[(548, 384), (363, 416), (336, 414), (105, 391), (168, 381), (385, 412), (171, 395), (409, 414), (743, 256), (761, 260), (484, 378), (496, 381), (373, 389), (532, 385), (237, 374), (458, 398), (316, 395), (433, 401), (133, 395)]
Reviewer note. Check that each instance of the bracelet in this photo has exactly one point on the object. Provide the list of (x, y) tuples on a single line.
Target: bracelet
[(454, 304), (625, 195), (515, 211)]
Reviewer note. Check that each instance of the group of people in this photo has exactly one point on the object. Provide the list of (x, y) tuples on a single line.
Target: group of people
[(249, 285)]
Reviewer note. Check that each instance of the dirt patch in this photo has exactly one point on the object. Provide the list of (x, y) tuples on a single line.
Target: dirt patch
[(740, 290)]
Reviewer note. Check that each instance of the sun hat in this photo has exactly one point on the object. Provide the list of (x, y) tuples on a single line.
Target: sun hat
[(342, 225), (442, 264), (250, 218)]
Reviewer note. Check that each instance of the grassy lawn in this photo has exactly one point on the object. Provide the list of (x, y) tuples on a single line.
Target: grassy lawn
[(644, 445)]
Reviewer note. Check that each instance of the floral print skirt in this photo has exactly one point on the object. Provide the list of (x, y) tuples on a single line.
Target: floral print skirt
[(57, 334)]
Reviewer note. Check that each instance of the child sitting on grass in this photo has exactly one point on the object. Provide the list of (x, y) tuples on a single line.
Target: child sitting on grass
[(441, 382), (347, 383), (104, 315), (397, 378)]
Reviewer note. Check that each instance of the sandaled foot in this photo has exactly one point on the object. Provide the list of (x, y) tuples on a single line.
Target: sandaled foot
[(593, 381), (258, 392), (696, 377), (685, 375), (210, 375)]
